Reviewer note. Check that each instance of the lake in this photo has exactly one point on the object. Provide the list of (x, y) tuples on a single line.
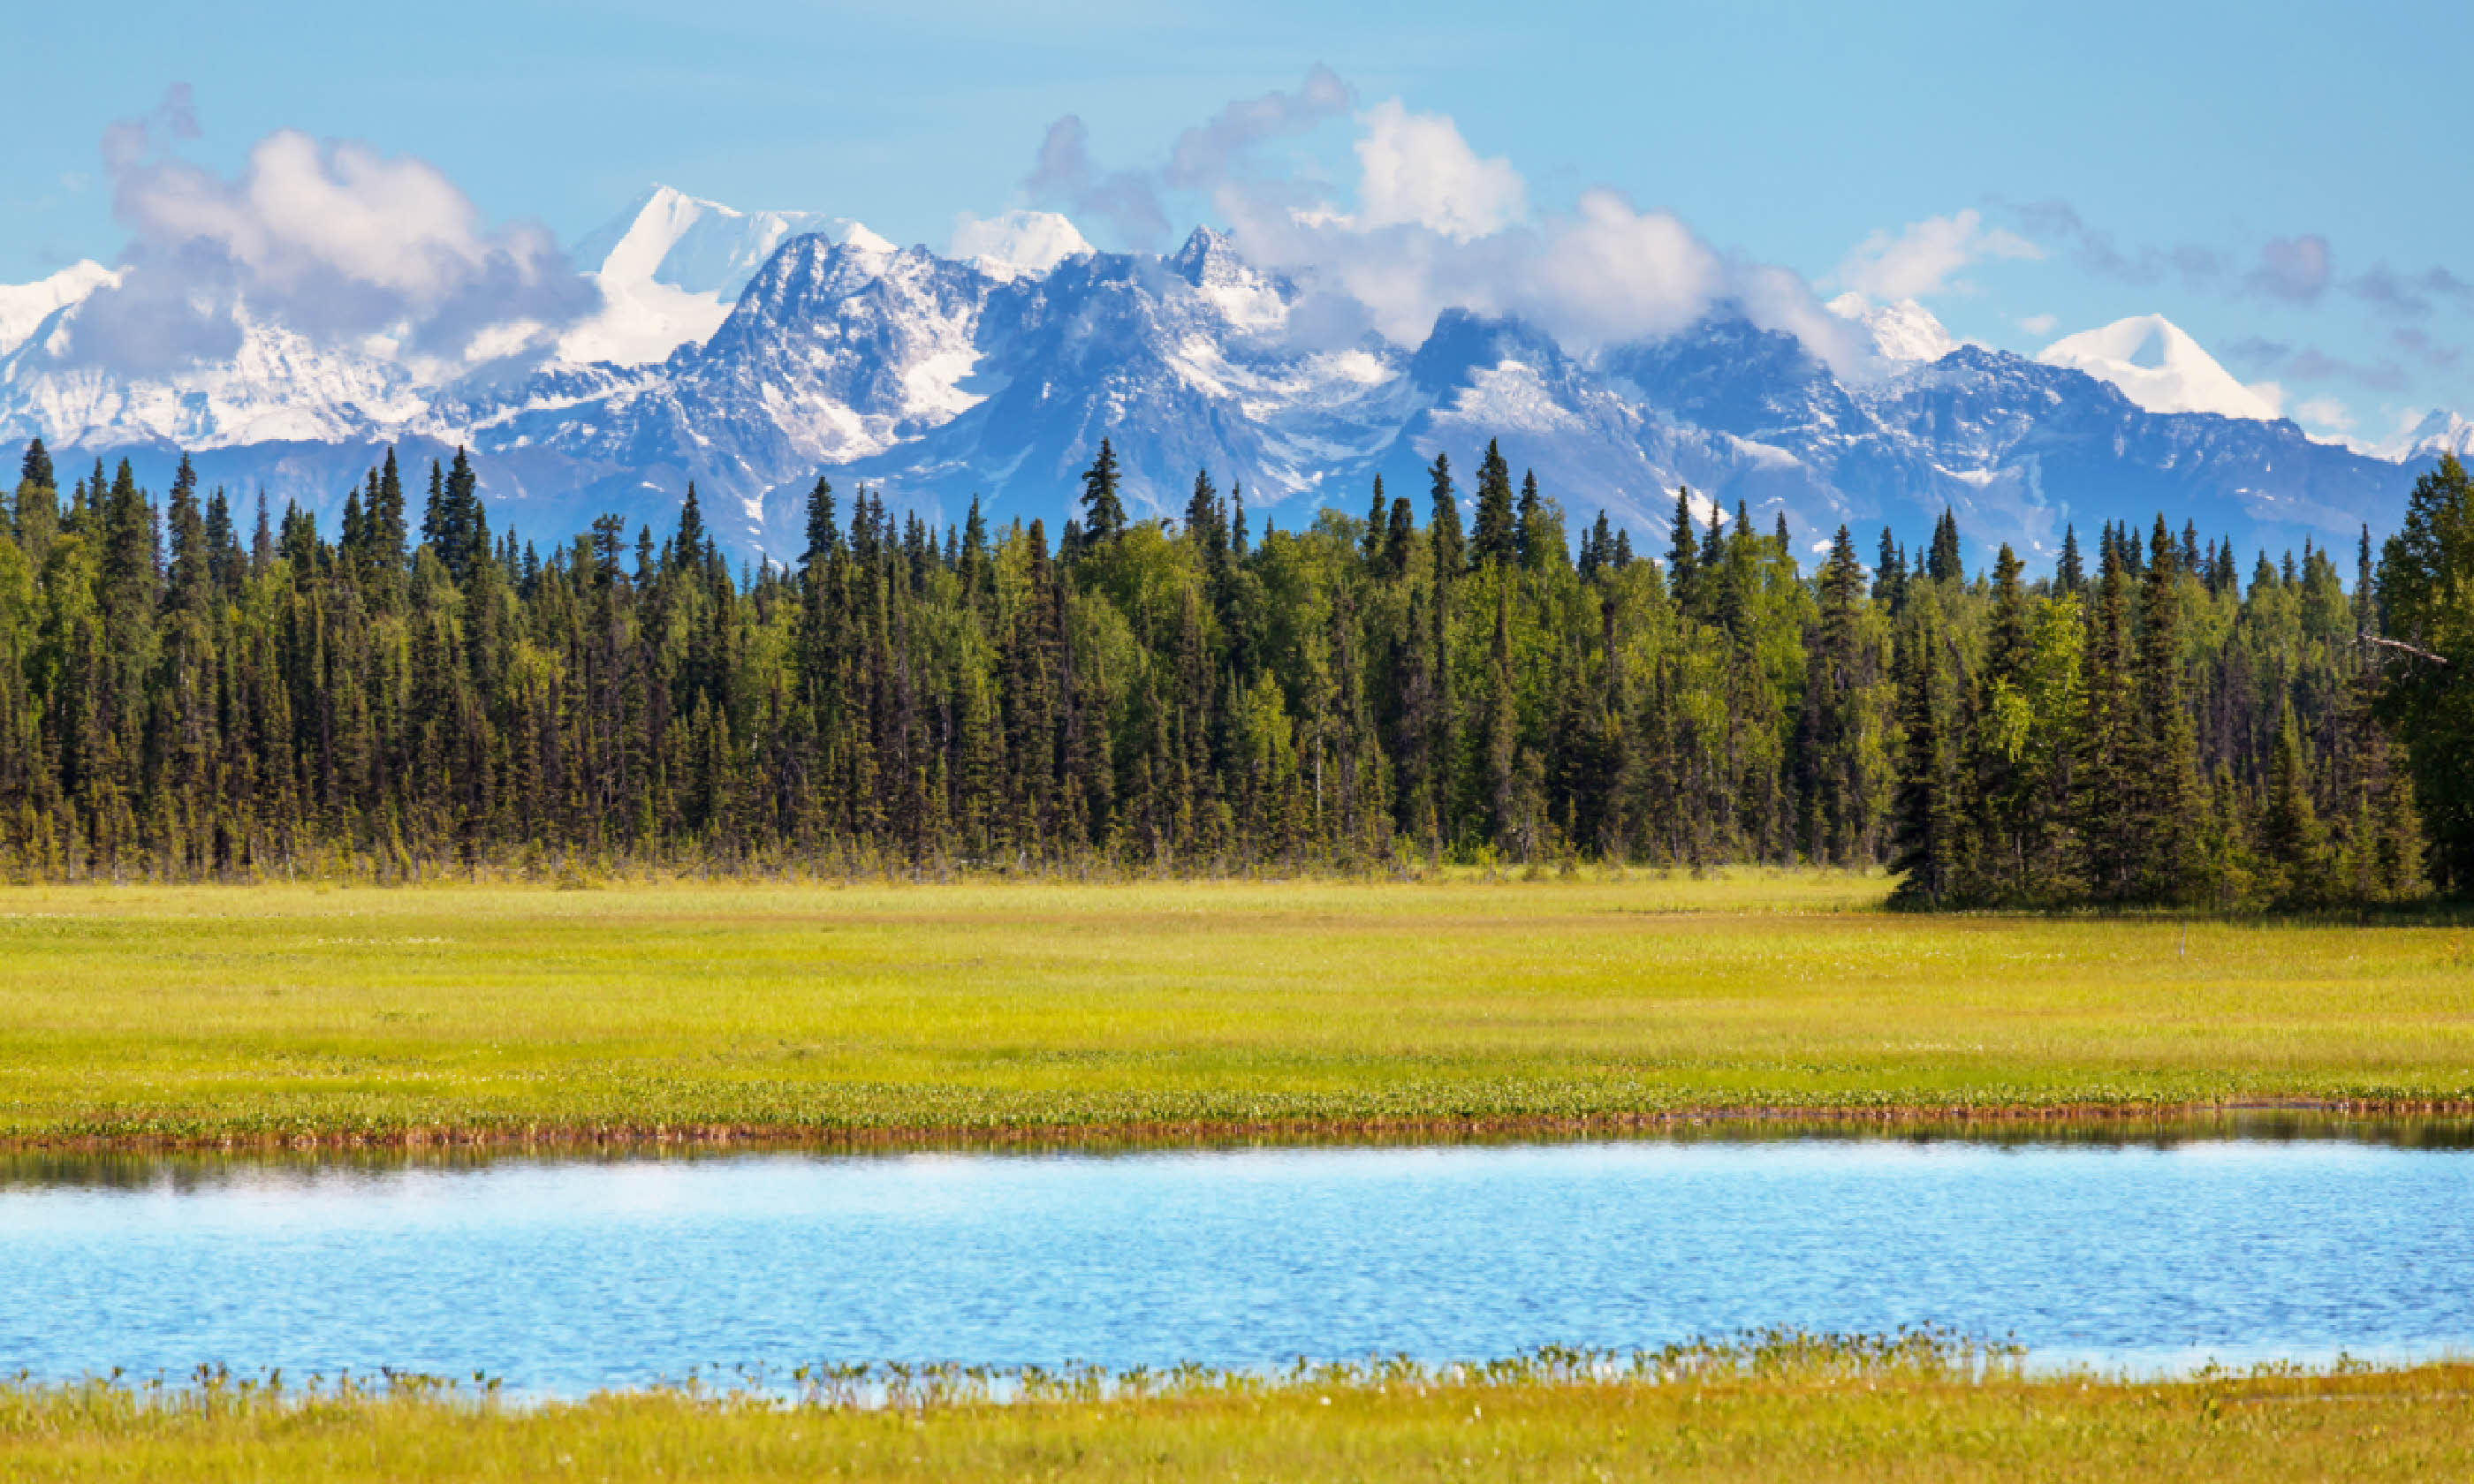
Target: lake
[(562, 1275)]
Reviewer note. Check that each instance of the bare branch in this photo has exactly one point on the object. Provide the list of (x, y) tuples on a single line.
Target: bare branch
[(2419, 654)]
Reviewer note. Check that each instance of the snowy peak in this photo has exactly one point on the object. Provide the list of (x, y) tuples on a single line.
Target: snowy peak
[(2159, 368), (2437, 433), (1903, 332), (1464, 345), (1249, 300), (25, 306), (670, 266), (703, 246), (1017, 245)]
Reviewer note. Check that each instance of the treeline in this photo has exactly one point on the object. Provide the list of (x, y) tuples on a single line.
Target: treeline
[(182, 697)]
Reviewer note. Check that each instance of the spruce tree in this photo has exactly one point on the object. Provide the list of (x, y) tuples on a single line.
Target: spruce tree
[(2289, 835), (1835, 787), (1104, 513), (1529, 524), (1890, 575), (1943, 565), (1442, 518), (2167, 820), (2105, 772), (1683, 549), (1926, 817), (388, 529), (1398, 537), (1600, 547), (1495, 536), (35, 467), (822, 527), (34, 512)]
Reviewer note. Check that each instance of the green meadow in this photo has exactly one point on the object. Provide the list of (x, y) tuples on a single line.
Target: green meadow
[(1821, 1423), (145, 1014)]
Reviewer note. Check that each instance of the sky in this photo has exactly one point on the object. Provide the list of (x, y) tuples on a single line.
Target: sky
[(2276, 179)]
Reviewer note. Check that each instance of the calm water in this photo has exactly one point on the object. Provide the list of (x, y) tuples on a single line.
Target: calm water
[(560, 1276)]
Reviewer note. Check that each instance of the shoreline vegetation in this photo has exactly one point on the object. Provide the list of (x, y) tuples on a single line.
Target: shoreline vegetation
[(2449, 1121), (1919, 1404), (1051, 1015)]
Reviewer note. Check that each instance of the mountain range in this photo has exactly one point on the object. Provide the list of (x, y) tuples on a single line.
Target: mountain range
[(751, 351)]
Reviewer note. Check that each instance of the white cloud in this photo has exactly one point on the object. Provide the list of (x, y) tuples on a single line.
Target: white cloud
[(300, 212), (2325, 412), (1431, 224), (1417, 170), (1920, 260), (2037, 324), (1434, 226), (332, 240)]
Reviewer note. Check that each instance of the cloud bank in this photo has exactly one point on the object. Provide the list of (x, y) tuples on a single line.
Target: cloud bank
[(329, 239), (1430, 224)]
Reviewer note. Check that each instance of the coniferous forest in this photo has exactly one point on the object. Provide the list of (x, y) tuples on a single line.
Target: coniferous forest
[(202, 690)]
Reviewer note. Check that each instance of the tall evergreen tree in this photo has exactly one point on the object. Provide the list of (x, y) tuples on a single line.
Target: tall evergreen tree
[(1943, 565), (822, 527), (2069, 576), (1929, 815), (1683, 549), (1103, 513), (1495, 537), (1444, 518), (2167, 820)]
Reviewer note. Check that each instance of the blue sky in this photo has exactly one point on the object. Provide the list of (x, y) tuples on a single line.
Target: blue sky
[(2280, 180)]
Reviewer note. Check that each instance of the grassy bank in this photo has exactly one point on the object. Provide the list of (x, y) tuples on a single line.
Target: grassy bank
[(178, 1014), (1802, 1423)]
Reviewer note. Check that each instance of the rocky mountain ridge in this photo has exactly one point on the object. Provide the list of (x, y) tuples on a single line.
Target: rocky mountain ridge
[(996, 372)]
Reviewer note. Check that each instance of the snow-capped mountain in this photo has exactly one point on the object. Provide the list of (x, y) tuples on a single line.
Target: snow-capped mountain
[(994, 370), (2159, 368), (2437, 433), (1016, 243), (24, 307), (670, 270), (670, 267), (1903, 331)]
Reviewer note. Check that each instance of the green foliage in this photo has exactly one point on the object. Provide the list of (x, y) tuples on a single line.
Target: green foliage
[(1181, 699), (2426, 600)]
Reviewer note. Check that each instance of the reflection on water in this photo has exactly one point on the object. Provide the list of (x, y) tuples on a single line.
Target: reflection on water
[(2143, 1246)]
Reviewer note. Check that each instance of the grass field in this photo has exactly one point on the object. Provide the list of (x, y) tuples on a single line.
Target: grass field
[(196, 1014), (1859, 1422)]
